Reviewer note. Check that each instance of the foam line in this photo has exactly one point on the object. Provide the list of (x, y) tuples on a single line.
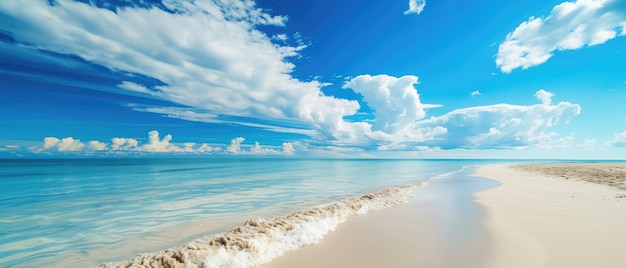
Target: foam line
[(259, 241)]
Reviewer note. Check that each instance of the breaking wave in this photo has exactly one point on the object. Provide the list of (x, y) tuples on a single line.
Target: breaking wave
[(258, 241)]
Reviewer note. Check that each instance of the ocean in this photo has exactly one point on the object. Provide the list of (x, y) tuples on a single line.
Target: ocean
[(86, 212)]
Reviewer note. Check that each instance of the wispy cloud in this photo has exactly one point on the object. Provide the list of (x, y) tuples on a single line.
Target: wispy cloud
[(475, 93), (415, 7), (570, 26), (618, 140)]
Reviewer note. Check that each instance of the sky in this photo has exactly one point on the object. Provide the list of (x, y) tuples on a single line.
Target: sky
[(295, 78)]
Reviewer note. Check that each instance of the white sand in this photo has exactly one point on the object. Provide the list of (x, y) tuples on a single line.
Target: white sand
[(544, 221), (531, 220), (440, 227)]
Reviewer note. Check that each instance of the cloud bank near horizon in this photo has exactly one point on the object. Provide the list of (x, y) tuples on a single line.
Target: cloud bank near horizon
[(156, 145)]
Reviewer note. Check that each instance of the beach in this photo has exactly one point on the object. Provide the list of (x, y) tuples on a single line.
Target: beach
[(313, 213), (548, 215), (556, 215)]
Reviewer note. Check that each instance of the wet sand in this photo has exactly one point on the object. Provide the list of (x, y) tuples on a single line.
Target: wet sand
[(531, 220), (439, 227)]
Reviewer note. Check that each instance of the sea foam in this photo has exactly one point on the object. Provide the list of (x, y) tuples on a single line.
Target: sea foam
[(258, 241)]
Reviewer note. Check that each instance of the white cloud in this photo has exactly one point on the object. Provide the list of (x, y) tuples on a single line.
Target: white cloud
[(618, 140), (588, 143), (213, 61), (156, 144), (68, 144), (97, 145), (403, 125), (288, 148), (475, 93), (416, 7), (235, 145), (10, 148), (134, 87), (49, 142), (258, 150), (395, 100), (544, 96), (504, 125), (205, 148), (123, 144), (209, 55), (570, 26)]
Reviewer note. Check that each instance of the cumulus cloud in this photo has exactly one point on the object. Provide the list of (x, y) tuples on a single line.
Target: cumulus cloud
[(400, 121), (97, 145), (618, 140), (123, 144), (395, 101), (544, 96), (415, 7), (504, 125), (49, 142), (258, 150), (235, 145), (288, 148), (68, 144), (156, 144), (570, 26)]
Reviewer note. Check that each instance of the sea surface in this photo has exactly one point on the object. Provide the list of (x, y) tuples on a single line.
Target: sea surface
[(85, 212)]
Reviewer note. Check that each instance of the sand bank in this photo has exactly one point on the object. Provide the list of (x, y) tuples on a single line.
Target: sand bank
[(530, 220), (536, 218)]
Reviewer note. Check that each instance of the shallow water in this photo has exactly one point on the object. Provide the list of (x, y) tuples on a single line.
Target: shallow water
[(455, 221), (82, 212)]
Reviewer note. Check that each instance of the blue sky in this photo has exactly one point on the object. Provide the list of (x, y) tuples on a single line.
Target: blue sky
[(477, 79)]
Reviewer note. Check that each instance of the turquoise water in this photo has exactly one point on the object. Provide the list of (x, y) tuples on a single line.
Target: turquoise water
[(82, 212)]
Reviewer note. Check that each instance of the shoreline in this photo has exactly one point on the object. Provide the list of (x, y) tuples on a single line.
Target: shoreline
[(259, 241), (542, 220), (530, 220), (422, 233), (494, 215)]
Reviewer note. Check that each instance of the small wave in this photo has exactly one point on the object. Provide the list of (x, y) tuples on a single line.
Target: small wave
[(258, 241), (444, 175)]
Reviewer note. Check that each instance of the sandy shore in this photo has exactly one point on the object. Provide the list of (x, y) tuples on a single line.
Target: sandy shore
[(530, 220), (539, 219), (439, 227)]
